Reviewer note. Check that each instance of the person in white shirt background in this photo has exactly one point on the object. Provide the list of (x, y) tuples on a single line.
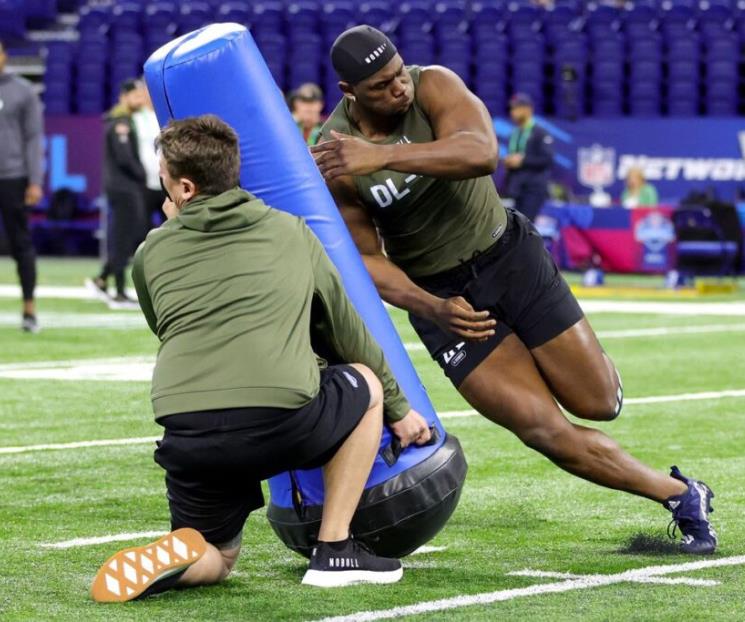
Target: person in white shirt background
[(147, 130)]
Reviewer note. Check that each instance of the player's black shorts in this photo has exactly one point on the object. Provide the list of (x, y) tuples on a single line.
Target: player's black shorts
[(215, 460), (518, 282)]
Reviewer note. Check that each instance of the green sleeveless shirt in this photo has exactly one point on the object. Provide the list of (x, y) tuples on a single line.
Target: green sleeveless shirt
[(428, 224)]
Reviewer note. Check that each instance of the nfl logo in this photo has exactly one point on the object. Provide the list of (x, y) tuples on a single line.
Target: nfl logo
[(596, 165)]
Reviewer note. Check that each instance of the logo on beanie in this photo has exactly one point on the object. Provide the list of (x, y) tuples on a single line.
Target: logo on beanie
[(375, 53)]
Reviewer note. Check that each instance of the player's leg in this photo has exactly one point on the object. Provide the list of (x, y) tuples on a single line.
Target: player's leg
[(15, 223), (346, 473), (338, 560), (580, 374), (508, 389)]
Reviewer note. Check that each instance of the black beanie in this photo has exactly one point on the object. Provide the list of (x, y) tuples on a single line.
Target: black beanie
[(360, 52)]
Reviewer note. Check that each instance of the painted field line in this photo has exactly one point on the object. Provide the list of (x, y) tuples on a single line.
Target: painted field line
[(567, 585), (652, 399), (424, 550), (79, 444), (659, 580), (659, 331), (61, 364), (664, 308), (118, 537), (66, 292), (125, 320), (452, 414)]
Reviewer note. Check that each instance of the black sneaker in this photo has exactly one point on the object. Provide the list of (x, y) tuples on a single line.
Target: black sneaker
[(348, 563), (29, 324)]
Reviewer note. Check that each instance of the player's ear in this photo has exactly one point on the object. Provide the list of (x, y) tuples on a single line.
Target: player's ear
[(188, 189), (348, 90)]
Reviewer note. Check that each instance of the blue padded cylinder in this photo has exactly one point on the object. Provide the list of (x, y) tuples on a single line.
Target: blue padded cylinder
[(219, 70)]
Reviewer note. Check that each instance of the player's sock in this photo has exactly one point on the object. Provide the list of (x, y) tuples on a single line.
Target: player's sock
[(348, 562), (691, 515), (143, 570)]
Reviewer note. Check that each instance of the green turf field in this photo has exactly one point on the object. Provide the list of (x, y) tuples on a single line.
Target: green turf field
[(517, 512)]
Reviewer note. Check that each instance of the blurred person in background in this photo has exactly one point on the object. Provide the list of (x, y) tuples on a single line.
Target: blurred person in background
[(529, 160), (147, 130), (21, 177), (306, 105), (638, 192), (124, 179)]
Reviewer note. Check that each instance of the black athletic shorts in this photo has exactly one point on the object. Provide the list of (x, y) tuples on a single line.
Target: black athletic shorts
[(517, 280), (215, 460)]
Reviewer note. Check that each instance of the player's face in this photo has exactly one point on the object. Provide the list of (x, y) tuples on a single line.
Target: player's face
[(389, 92)]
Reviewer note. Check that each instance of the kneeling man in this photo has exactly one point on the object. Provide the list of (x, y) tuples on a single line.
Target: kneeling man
[(235, 292)]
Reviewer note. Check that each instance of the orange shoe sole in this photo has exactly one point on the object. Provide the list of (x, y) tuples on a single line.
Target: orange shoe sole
[(128, 573)]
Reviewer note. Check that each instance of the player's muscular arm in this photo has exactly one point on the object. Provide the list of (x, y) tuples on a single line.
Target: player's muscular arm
[(394, 286), (465, 145)]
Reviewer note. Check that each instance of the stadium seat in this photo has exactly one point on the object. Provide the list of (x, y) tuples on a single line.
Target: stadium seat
[(303, 16), (238, 12), (641, 107), (722, 108), (715, 18), (722, 70), (683, 70), (523, 21), (267, 15), (126, 16), (640, 19), (603, 18), (450, 17), (608, 71), (724, 49), (611, 47), (648, 48), (93, 19), (194, 15), (378, 14), (487, 19), (607, 108), (683, 108), (684, 49)]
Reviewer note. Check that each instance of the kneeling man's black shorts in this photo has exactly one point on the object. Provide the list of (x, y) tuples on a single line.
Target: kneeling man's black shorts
[(518, 282), (215, 460)]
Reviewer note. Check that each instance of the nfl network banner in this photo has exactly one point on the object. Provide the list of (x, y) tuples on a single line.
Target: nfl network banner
[(74, 154), (676, 155)]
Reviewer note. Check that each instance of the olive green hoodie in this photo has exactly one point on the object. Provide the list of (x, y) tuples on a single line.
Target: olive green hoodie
[(235, 291)]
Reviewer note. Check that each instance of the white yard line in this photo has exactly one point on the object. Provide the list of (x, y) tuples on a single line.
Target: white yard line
[(652, 399), (457, 602), (658, 331), (79, 444), (660, 580), (664, 308), (453, 414), (118, 537), (424, 550), (65, 292), (52, 320)]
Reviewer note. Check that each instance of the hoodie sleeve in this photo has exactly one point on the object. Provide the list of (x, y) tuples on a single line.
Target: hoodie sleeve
[(143, 296), (345, 331)]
